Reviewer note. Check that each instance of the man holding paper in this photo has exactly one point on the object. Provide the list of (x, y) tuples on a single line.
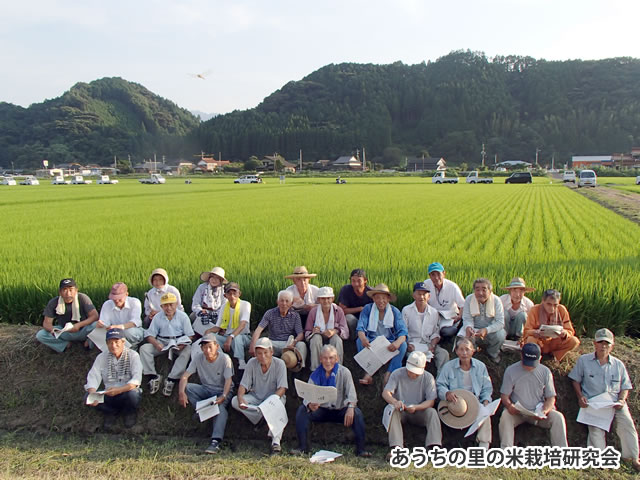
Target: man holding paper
[(529, 385), (122, 311), (548, 325), (380, 318), (70, 311), (447, 298), (411, 394), (215, 370), (169, 329), (343, 410), (601, 373), (264, 377), (423, 325), (120, 370)]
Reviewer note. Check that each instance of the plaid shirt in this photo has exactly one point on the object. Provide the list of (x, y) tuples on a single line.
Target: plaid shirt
[(281, 327)]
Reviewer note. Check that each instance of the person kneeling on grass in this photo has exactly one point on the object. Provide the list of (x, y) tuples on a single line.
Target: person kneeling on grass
[(215, 371), (72, 307), (167, 326), (331, 374), (121, 371), (264, 376), (382, 318)]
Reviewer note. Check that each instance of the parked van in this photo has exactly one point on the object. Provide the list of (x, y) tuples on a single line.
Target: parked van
[(569, 176), (587, 178)]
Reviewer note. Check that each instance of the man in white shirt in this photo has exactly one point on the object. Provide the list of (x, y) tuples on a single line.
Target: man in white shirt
[(423, 324), (446, 297), (122, 311)]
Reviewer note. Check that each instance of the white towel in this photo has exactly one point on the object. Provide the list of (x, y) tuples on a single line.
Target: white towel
[(75, 308), (490, 304), (319, 321), (387, 321)]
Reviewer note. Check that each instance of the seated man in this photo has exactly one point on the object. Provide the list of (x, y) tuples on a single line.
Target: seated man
[(159, 281), (600, 372), (70, 306), (215, 371), (483, 318), (331, 374), (467, 373), (283, 322), (304, 294), (167, 326), (382, 318), (530, 383), (352, 299), (550, 312), (122, 311), (516, 306), (423, 325), (120, 370), (232, 327), (325, 324), (412, 392), (264, 376), (446, 297)]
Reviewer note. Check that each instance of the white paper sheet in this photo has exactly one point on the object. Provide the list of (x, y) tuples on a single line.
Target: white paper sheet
[(600, 411), (424, 348), (511, 346), (95, 397), (316, 393), (483, 414), (324, 456), (59, 331), (551, 331), (537, 413), (255, 408), (99, 337), (274, 414), (386, 415), (375, 355), (446, 318), (207, 408)]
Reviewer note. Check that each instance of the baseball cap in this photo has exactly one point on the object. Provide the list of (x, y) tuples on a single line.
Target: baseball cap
[(115, 333), (67, 282), (208, 338), (118, 291), (435, 267), (531, 355), (421, 286), (232, 286), (604, 334), (416, 362), (168, 298), (264, 342)]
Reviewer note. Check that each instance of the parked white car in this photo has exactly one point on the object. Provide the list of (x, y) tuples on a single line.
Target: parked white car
[(569, 176), (8, 181), (30, 181), (105, 180), (79, 180), (154, 179), (59, 180), (248, 179), (587, 178)]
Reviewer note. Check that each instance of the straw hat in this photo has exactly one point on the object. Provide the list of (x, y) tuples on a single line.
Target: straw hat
[(518, 282), (159, 271), (462, 413), (381, 288), (301, 272), (292, 358), (204, 276)]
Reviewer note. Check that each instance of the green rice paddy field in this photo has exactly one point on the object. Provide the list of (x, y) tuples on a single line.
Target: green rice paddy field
[(392, 227)]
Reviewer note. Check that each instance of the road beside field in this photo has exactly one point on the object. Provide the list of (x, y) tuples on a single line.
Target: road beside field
[(626, 204)]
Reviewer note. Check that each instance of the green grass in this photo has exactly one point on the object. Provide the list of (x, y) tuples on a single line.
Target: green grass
[(391, 226)]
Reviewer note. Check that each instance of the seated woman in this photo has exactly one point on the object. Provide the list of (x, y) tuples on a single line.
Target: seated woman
[(207, 300), (382, 318), (516, 306), (326, 323), (159, 281), (465, 373), (550, 312)]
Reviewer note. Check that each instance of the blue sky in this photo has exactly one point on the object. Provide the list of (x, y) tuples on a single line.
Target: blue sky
[(252, 48)]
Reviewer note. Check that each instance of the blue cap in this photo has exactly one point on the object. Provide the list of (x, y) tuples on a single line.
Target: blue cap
[(531, 355), (436, 267), (115, 333), (421, 286)]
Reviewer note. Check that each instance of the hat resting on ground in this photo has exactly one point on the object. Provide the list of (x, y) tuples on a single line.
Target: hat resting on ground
[(462, 413), (381, 288), (159, 271), (118, 291), (301, 272), (518, 282), (219, 271)]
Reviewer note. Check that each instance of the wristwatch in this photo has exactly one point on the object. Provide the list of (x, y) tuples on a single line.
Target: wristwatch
[(232, 336)]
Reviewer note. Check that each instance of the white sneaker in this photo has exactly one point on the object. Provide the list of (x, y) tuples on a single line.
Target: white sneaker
[(154, 385), (167, 389)]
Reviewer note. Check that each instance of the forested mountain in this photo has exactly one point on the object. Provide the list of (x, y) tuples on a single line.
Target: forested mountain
[(93, 122), (449, 108)]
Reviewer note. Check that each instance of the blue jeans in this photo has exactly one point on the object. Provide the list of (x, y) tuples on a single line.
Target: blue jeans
[(60, 344), (196, 392), (124, 403), (396, 362), (304, 418)]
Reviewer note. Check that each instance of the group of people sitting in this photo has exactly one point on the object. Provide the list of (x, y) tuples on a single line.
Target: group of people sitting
[(307, 327)]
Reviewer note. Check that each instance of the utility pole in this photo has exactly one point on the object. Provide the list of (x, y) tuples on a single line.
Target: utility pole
[(364, 159), (301, 160), (484, 154), (537, 152)]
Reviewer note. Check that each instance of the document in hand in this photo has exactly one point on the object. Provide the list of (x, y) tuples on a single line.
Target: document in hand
[(599, 413), (483, 414), (95, 397), (387, 413), (375, 355), (172, 346), (314, 393), (274, 414), (99, 337), (448, 315), (551, 331), (511, 346), (424, 348), (537, 413), (324, 456), (59, 331), (207, 408)]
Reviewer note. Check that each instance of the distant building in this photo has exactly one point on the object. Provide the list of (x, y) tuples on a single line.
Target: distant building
[(208, 165), (419, 164), (269, 163), (514, 164), (347, 163), (589, 161), (321, 165)]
